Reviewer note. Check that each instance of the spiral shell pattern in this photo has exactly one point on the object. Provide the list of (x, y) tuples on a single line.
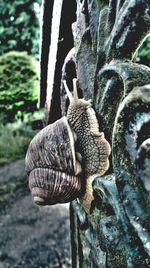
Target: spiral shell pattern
[(52, 166), (49, 187)]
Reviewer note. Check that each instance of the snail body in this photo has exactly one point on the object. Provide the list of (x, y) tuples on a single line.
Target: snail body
[(92, 144), (57, 172)]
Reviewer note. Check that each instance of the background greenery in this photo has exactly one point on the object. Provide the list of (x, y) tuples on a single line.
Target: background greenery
[(19, 26), (19, 85), (19, 76), (15, 137)]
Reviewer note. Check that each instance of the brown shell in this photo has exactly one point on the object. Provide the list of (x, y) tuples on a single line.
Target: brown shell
[(49, 186), (51, 164)]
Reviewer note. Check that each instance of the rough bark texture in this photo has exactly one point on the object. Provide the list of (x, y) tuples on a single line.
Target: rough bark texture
[(106, 36)]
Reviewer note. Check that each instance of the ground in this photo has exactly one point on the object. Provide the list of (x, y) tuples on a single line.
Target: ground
[(30, 236)]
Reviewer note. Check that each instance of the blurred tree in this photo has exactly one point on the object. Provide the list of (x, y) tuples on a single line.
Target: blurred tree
[(19, 85), (19, 26)]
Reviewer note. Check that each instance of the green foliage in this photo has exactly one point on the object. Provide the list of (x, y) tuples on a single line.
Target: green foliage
[(19, 26), (19, 85), (15, 138), (14, 141), (143, 53)]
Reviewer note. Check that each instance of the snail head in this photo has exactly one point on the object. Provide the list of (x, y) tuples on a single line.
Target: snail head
[(77, 105)]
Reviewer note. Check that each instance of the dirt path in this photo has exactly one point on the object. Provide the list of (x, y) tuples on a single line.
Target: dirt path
[(30, 237)]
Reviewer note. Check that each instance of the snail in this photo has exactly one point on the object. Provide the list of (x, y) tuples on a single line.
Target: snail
[(64, 157)]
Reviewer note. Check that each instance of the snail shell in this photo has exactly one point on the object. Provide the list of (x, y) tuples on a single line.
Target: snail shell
[(52, 165)]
